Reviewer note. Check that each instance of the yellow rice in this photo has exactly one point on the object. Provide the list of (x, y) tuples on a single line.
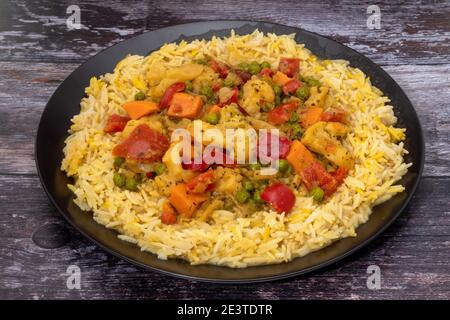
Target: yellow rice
[(263, 237)]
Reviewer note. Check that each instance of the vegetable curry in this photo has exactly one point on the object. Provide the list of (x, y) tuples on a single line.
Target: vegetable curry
[(312, 156)]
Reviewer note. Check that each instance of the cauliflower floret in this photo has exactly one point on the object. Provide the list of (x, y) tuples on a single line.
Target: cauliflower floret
[(255, 93), (207, 76), (317, 97), (228, 180), (321, 137)]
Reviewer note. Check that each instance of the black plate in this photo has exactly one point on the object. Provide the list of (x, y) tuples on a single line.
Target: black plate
[(64, 104)]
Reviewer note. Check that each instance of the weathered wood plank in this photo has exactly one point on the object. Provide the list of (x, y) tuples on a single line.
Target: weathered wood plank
[(411, 32), (26, 87), (413, 256)]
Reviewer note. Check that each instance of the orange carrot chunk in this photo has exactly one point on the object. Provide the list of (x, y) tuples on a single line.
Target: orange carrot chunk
[(185, 203), (300, 157), (310, 116), (138, 109), (184, 105), (168, 215), (280, 78)]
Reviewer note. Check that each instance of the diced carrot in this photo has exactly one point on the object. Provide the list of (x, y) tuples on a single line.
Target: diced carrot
[(185, 203), (280, 78), (168, 215), (214, 108), (138, 109), (300, 157), (184, 105), (310, 116)]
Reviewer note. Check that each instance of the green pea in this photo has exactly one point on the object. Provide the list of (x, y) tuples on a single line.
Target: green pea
[(283, 165), (242, 196), (254, 166), (317, 194), (118, 162), (140, 96), (159, 168), (302, 93), (265, 64), (243, 66), (277, 90), (228, 83), (131, 184), (254, 68), (257, 197), (248, 185), (189, 85), (294, 117), (213, 118), (296, 131), (207, 91), (119, 179), (312, 82)]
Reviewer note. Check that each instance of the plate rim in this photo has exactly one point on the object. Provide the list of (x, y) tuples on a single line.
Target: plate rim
[(286, 275)]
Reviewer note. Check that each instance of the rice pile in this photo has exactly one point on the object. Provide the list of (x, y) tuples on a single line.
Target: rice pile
[(263, 237)]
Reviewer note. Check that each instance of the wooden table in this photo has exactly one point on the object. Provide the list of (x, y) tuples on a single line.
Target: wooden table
[(37, 52)]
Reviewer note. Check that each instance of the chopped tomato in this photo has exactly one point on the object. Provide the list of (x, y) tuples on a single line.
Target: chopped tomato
[(216, 86), (340, 174), (170, 91), (195, 166), (289, 66), (266, 72), (201, 182), (291, 86), (267, 139), (150, 175), (219, 67), (282, 113), (316, 175), (279, 196), (116, 123), (143, 145), (245, 76), (335, 115), (169, 215)]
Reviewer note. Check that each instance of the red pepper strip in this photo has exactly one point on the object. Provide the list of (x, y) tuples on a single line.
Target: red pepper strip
[(170, 91)]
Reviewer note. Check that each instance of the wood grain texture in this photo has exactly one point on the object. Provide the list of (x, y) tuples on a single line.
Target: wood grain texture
[(411, 31), (413, 256), (21, 107), (37, 53)]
